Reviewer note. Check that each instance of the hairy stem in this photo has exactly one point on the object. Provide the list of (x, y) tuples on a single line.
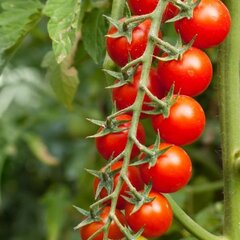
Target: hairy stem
[(229, 91)]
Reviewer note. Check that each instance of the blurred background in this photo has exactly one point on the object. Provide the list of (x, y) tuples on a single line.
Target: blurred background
[(44, 150)]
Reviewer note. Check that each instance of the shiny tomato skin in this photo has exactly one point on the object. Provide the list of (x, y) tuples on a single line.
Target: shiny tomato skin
[(185, 123), (114, 232), (211, 23), (140, 7), (112, 144), (133, 175), (191, 75), (125, 95), (155, 217), (171, 172), (119, 49)]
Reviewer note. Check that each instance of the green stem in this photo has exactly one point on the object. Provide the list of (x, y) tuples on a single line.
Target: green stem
[(190, 224), (229, 91)]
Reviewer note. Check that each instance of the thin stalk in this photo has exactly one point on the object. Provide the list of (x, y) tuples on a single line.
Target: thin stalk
[(189, 224), (229, 92)]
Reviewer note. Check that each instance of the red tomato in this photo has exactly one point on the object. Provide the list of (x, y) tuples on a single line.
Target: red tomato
[(140, 7), (172, 171), (155, 217), (112, 144), (191, 74), (211, 23), (119, 49), (133, 175), (185, 123), (114, 231), (125, 96)]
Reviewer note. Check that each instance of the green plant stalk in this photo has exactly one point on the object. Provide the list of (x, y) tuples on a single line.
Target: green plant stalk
[(229, 92), (189, 224)]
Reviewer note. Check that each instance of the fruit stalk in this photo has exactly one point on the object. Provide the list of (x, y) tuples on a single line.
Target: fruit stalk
[(229, 92)]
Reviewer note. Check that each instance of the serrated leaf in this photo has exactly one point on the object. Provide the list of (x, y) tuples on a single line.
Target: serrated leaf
[(93, 35), (17, 19), (63, 25), (64, 80)]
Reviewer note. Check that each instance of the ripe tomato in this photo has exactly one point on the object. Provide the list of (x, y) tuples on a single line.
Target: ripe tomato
[(133, 175), (171, 172), (125, 95), (140, 7), (211, 23), (155, 217), (191, 74), (185, 123), (119, 49), (112, 144), (114, 231)]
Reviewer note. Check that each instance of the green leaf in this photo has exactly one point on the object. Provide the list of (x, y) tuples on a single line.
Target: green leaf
[(63, 25), (93, 34), (17, 19), (63, 79)]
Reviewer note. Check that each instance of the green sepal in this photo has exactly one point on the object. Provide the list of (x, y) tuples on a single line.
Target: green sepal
[(108, 127), (186, 8), (91, 216), (105, 179)]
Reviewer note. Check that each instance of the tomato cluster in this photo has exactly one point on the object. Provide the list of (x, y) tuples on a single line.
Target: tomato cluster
[(191, 73)]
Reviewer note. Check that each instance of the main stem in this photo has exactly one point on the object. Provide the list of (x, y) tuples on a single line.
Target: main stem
[(229, 91)]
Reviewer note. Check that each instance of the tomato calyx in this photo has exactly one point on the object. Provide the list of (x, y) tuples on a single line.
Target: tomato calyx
[(111, 125), (138, 200), (125, 26), (106, 178), (89, 216), (186, 9), (160, 106)]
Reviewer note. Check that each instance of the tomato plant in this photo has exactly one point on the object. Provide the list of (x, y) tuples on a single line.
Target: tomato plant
[(133, 175), (154, 217), (112, 144), (191, 74), (114, 231), (210, 24), (185, 123), (172, 171), (125, 95)]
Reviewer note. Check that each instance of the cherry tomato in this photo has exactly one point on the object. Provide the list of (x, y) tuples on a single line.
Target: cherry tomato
[(119, 49), (171, 172), (112, 144), (185, 123), (133, 175), (140, 7), (191, 74), (125, 95), (211, 24), (114, 231), (155, 217)]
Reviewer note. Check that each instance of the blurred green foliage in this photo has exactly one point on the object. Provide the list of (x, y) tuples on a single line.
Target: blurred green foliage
[(44, 150)]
